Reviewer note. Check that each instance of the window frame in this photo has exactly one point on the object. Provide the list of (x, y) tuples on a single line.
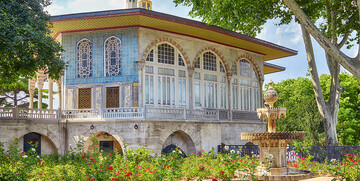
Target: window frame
[(215, 86), (119, 61), (174, 78)]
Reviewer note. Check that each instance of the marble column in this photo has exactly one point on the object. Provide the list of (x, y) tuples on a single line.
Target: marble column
[(32, 83), (229, 77), (50, 93), (40, 86), (58, 83), (190, 73)]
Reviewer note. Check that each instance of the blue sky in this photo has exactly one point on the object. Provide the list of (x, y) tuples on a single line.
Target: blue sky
[(286, 35)]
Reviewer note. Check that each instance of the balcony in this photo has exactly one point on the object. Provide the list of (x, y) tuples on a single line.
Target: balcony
[(131, 113)]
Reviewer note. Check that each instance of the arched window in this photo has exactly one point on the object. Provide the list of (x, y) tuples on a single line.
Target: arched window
[(165, 74), (84, 59), (245, 87), (112, 50), (209, 82)]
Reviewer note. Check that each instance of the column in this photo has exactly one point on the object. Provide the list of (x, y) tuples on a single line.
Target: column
[(40, 85), (140, 65), (58, 83), (32, 83), (229, 77), (191, 72), (50, 93)]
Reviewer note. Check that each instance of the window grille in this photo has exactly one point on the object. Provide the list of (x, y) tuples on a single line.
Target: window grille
[(222, 68), (181, 61), (150, 57), (209, 61), (112, 97), (166, 54), (112, 56), (84, 59), (197, 63), (84, 98), (245, 68)]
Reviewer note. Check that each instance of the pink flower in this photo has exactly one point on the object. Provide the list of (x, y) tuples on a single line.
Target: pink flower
[(222, 172), (214, 179), (110, 168), (202, 168)]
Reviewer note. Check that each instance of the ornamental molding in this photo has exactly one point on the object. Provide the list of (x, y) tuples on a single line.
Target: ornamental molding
[(170, 41), (216, 52), (249, 58)]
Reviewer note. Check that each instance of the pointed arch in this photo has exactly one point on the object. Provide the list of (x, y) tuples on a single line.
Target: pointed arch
[(46, 143), (170, 41), (216, 52), (182, 140), (84, 58), (103, 136), (252, 62), (112, 56)]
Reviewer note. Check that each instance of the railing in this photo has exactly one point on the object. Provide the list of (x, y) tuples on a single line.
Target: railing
[(319, 153), (139, 113), (80, 114), (24, 113), (123, 113)]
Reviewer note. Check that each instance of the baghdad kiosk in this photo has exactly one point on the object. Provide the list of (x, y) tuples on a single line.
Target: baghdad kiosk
[(142, 78)]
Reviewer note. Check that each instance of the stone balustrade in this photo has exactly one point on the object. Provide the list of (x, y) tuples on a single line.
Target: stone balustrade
[(130, 113)]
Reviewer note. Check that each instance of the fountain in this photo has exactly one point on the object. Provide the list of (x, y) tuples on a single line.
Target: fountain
[(272, 144)]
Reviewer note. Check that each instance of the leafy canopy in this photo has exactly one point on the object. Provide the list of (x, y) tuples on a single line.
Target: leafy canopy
[(248, 16), (298, 97), (25, 42)]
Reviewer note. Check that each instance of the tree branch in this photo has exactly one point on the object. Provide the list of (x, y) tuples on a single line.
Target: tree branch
[(343, 41), (331, 49), (314, 73)]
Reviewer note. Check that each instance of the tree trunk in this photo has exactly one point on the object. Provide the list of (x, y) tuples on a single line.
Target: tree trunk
[(350, 64), (328, 110)]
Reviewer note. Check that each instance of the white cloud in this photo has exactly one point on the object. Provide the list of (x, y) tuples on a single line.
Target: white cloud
[(55, 9)]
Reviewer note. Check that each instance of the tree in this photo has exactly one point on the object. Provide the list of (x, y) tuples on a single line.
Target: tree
[(25, 42), (303, 115), (17, 94), (337, 20)]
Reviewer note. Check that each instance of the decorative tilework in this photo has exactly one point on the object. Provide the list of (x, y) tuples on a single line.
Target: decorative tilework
[(129, 54), (128, 96)]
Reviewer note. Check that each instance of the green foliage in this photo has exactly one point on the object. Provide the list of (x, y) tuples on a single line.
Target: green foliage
[(302, 114), (348, 169), (348, 125), (297, 96), (25, 42), (248, 16), (133, 165)]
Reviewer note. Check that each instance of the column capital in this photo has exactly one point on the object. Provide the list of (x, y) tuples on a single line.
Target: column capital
[(190, 71)]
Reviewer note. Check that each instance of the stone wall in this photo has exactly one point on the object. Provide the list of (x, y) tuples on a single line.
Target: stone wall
[(191, 136)]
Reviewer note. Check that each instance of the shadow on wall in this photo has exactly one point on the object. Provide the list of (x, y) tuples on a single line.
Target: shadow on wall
[(103, 141), (44, 145), (181, 140)]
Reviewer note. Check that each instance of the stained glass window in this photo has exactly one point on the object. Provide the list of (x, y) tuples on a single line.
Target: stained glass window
[(84, 98), (84, 59), (166, 54), (112, 56)]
